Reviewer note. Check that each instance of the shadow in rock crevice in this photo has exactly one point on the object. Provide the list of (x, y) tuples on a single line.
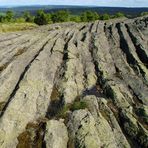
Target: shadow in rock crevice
[(94, 90)]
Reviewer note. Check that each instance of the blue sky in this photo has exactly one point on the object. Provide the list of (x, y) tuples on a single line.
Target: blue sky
[(121, 3)]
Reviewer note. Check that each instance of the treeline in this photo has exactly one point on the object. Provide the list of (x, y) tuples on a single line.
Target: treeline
[(42, 18)]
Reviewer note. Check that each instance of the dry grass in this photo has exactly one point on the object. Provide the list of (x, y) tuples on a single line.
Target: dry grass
[(11, 27), (2, 104), (2, 67), (32, 137), (20, 51), (55, 94)]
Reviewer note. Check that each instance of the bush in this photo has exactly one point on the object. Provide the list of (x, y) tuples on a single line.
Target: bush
[(60, 16), (75, 18), (119, 14), (9, 16), (89, 16), (27, 16), (105, 17), (20, 20), (41, 18)]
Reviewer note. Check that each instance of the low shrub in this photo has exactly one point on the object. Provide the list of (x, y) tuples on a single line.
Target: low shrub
[(62, 113), (78, 105)]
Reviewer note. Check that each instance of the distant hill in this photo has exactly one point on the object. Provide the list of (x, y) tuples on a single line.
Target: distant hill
[(74, 9)]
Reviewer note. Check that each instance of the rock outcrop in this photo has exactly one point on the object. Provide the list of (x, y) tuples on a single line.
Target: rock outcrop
[(75, 85)]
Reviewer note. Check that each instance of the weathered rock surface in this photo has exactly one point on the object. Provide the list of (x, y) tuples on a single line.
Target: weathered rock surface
[(56, 134), (75, 85)]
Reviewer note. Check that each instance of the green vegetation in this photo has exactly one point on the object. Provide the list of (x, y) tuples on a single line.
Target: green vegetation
[(105, 17), (62, 113), (9, 22), (119, 14), (89, 16), (78, 105), (42, 18), (144, 13), (71, 107), (60, 16), (75, 18), (8, 17), (28, 17)]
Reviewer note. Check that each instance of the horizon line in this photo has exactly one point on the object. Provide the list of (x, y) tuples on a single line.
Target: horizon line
[(29, 5)]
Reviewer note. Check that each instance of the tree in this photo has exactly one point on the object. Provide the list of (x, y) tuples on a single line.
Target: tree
[(27, 16), (83, 17), (48, 15), (41, 18), (2, 18), (74, 18), (60, 16), (119, 14), (105, 17), (89, 16), (96, 16), (9, 16)]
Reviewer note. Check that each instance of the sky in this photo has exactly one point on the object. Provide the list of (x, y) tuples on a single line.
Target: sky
[(118, 3)]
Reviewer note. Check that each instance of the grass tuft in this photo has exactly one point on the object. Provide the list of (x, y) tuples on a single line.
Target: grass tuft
[(71, 107), (78, 105)]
